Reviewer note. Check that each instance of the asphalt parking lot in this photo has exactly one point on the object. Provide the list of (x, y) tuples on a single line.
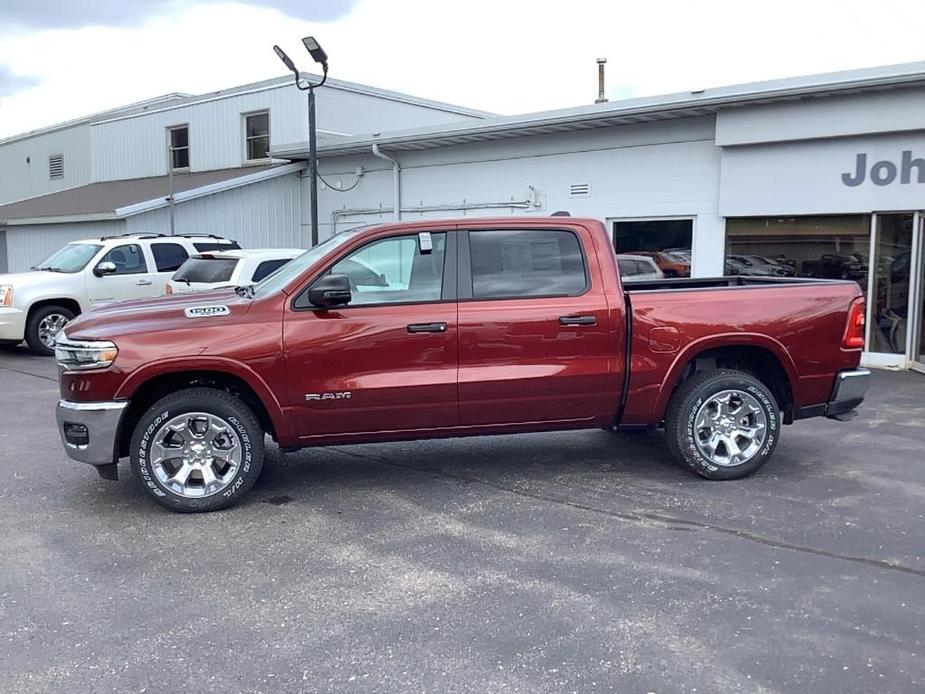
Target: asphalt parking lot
[(579, 562)]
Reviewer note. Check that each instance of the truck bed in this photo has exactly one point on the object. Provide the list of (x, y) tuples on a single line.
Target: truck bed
[(800, 321)]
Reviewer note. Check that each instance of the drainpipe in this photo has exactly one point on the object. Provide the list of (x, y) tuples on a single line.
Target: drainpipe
[(396, 179)]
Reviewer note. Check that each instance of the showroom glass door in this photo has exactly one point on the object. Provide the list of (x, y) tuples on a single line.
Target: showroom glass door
[(918, 325)]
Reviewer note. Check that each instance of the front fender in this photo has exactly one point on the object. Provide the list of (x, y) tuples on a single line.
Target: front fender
[(218, 364)]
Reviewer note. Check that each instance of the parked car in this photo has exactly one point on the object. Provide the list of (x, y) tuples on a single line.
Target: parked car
[(218, 269), (672, 263), (836, 266), (737, 267), (638, 267), (85, 274), (762, 266), (479, 326)]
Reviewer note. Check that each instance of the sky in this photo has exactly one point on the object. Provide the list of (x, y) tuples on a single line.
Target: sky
[(62, 59)]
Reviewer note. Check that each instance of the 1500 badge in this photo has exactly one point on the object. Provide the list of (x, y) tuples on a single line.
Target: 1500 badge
[(207, 311)]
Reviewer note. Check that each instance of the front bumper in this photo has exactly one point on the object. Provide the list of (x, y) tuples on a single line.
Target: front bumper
[(12, 324), (89, 430)]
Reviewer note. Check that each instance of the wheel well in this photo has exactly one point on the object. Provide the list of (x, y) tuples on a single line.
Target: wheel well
[(761, 363), (154, 389), (69, 304)]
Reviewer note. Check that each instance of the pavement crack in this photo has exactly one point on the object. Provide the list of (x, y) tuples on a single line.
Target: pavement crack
[(54, 379), (650, 519)]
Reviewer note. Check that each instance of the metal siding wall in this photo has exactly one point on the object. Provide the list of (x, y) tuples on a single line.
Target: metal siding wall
[(4, 266), (30, 244), (261, 215), (652, 170), (137, 147), (19, 180)]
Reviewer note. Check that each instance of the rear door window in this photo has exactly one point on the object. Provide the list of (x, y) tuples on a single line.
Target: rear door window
[(206, 270), (509, 264), (168, 256)]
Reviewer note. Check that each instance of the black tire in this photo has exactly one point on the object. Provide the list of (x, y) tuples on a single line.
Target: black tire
[(685, 404), (33, 325), (218, 403)]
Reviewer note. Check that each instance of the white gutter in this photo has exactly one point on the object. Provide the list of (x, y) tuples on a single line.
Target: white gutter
[(396, 180), (211, 189)]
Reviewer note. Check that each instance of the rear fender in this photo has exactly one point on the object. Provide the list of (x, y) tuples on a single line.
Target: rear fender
[(697, 347)]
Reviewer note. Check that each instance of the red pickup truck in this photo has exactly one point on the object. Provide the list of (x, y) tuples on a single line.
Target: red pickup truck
[(451, 328)]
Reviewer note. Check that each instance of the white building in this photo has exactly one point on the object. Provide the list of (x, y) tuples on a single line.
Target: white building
[(108, 174), (821, 175)]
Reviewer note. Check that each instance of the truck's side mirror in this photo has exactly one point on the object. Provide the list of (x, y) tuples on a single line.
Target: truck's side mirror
[(107, 267), (330, 291)]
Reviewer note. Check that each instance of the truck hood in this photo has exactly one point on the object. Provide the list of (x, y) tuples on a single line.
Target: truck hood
[(20, 280), (159, 314)]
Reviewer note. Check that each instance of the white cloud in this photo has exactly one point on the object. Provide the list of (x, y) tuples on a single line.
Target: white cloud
[(508, 57)]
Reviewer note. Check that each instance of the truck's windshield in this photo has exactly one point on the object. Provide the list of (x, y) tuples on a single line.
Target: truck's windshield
[(291, 270), (71, 258)]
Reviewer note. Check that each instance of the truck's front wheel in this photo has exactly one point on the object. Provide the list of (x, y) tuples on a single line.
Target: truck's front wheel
[(199, 449), (723, 424)]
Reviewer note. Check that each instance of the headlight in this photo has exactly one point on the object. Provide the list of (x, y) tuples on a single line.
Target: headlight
[(6, 295), (75, 355)]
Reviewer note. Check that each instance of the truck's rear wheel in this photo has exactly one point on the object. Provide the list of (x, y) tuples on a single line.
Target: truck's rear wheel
[(200, 449), (43, 326), (723, 424)]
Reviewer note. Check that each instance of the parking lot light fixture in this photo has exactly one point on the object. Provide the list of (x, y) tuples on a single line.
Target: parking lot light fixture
[(320, 57), (316, 51), (287, 61)]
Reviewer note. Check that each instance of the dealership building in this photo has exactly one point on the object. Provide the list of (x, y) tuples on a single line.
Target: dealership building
[(821, 176)]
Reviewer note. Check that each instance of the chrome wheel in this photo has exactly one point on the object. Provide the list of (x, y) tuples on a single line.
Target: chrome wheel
[(49, 327), (730, 427), (196, 454)]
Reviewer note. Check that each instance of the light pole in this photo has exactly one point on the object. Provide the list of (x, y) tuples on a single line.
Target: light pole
[(319, 56)]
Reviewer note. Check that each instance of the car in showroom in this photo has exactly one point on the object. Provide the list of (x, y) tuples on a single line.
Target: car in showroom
[(89, 273), (634, 268)]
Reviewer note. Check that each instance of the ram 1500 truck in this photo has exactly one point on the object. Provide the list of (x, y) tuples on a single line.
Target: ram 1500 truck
[(451, 328)]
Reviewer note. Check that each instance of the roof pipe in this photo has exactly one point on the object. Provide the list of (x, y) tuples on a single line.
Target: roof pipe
[(396, 179)]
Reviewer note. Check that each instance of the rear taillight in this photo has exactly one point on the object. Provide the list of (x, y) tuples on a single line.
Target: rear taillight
[(854, 331)]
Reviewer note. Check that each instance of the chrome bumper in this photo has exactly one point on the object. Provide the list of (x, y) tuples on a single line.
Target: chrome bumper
[(849, 391), (89, 429)]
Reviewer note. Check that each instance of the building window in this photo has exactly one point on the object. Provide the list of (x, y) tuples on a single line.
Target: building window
[(665, 241), (55, 167), (833, 247), (257, 136), (179, 147)]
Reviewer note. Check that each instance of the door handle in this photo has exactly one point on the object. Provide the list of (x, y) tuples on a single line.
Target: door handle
[(143, 283), (427, 328), (578, 320)]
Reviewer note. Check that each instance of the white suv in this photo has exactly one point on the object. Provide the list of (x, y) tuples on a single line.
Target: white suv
[(35, 305), (218, 269)]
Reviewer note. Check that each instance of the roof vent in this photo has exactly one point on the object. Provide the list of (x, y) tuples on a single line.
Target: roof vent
[(579, 190), (56, 166)]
